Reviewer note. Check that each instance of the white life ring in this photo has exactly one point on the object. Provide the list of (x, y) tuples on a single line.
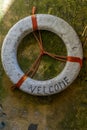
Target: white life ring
[(72, 43)]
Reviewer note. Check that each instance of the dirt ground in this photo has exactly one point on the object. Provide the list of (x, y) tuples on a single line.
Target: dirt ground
[(64, 111)]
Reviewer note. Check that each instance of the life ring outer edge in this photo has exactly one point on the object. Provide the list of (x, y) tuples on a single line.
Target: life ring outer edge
[(9, 50)]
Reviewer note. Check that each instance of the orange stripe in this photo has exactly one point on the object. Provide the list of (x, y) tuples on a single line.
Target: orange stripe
[(34, 22), (74, 59), (21, 80), (69, 58)]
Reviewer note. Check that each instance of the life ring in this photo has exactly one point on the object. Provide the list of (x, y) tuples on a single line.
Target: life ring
[(57, 26)]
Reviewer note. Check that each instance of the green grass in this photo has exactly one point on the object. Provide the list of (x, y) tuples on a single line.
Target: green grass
[(29, 50), (76, 116)]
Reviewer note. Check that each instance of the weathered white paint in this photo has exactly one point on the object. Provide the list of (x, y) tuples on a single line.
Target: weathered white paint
[(53, 24)]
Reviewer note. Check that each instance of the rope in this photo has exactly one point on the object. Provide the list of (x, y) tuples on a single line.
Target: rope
[(43, 52), (34, 19), (31, 71)]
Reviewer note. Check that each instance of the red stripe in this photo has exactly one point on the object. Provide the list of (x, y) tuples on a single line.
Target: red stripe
[(74, 59), (21, 80), (69, 58), (34, 22), (24, 77)]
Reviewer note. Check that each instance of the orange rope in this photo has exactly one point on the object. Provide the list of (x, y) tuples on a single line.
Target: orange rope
[(34, 19), (41, 40), (60, 58), (34, 67), (31, 72), (43, 52), (39, 43), (33, 10)]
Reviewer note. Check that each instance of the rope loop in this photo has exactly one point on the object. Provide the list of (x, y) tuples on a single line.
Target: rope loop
[(31, 72)]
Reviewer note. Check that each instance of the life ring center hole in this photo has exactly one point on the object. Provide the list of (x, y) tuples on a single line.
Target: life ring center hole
[(29, 50)]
